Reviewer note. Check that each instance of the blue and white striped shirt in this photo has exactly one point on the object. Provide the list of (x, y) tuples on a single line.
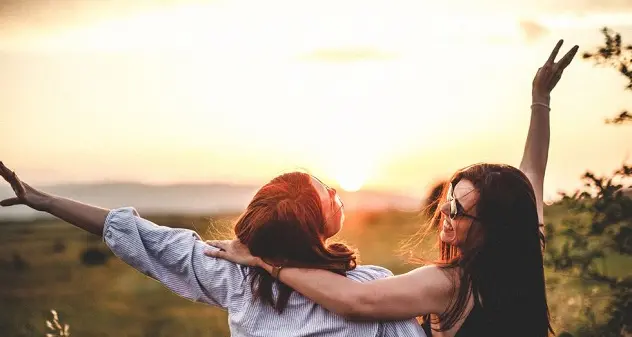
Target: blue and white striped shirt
[(175, 257)]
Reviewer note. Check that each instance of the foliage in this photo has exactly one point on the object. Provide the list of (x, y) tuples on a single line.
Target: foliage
[(615, 54), (599, 225), (583, 242)]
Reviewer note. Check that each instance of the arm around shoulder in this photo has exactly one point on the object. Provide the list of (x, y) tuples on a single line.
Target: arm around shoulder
[(421, 291)]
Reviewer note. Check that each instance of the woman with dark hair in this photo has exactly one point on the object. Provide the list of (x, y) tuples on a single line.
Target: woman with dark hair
[(489, 280), (288, 221)]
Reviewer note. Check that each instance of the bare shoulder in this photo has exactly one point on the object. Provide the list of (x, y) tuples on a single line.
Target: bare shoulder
[(435, 284), (436, 276)]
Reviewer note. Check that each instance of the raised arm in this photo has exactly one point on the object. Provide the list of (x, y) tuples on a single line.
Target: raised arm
[(536, 153), (536, 150), (422, 291)]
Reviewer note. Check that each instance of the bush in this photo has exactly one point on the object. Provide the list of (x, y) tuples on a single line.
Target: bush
[(19, 264), (59, 246), (94, 256)]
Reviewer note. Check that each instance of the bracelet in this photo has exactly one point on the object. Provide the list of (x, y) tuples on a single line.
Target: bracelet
[(275, 271), (541, 104)]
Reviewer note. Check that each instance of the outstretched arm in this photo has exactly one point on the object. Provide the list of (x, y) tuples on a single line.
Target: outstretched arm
[(86, 217), (422, 291), (536, 150), (172, 256)]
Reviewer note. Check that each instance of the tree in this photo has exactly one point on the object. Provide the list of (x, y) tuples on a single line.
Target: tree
[(599, 226), (618, 56), (582, 245)]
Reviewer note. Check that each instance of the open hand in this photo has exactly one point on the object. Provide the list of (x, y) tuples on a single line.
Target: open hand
[(234, 251), (24, 194), (550, 73)]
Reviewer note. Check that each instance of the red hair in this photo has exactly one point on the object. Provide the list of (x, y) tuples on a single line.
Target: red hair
[(285, 223)]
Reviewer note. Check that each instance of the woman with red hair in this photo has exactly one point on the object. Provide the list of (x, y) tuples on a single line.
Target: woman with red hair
[(288, 222)]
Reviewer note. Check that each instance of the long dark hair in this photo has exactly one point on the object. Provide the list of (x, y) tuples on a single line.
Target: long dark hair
[(284, 223), (500, 265)]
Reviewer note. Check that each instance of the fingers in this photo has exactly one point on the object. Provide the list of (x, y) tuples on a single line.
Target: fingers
[(566, 60), (4, 171), (215, 253), (556, 50), (12, 179), (559, 67), (17, 185), (221, 244), (548, 76), (537, 74), (10, 202)]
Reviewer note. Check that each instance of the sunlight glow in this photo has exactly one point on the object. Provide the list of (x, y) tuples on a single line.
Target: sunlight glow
[(351, 181), (364, 92), (353, 168)]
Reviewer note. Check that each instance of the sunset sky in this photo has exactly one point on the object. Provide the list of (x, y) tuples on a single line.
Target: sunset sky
[(390, 94)]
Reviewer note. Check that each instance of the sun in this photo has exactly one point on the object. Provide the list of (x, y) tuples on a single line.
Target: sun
[(350, 178), (351, 184), (352, 169)]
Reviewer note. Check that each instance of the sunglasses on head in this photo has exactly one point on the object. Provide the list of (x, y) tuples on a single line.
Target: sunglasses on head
[(456, 209)]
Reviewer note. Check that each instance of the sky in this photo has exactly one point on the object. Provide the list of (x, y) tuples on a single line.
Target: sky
[(387, 95)]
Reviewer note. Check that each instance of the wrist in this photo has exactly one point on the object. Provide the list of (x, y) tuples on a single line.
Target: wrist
[(541, 99), (537, 106), (262, 264), (45, 203)]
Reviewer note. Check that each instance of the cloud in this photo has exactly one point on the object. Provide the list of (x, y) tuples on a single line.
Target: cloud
[(532, 31), (338, 55)]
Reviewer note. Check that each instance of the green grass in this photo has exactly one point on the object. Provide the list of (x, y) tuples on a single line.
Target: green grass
[(115, 300)]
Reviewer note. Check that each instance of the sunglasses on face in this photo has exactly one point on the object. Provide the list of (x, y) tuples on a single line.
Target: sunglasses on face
[(456, 209), (333, 196), (335, 199)]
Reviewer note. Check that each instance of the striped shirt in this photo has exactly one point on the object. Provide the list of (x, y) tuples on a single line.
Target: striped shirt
[(175, 257)]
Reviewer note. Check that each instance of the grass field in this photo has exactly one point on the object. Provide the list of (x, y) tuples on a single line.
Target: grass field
[(42, 266)]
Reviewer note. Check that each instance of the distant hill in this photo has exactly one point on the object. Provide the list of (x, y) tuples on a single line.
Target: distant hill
[(188, 198)]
